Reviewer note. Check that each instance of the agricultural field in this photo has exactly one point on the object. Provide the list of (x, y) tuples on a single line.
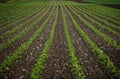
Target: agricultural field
[(59, 40)]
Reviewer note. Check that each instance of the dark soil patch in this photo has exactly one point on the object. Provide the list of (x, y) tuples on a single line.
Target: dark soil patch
[(92, 67), (80, 1), (110, 51), (21, 68), (116, 6), (57, 64)]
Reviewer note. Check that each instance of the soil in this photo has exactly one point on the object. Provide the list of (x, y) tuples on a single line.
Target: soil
[(116, 6), (57, 64), (110, 51), (21, 68), (80, 1), (92, 67)]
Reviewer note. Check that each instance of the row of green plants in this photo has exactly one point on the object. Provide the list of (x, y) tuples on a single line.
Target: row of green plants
[(9, 32), (39, 65), (89, 17), (9, 60), (93, 14), (11, 18), (103, 16), (77, 68), (102, 57), (12, 11), (9, 25), (23, 32), (105, 11), (106, 38)]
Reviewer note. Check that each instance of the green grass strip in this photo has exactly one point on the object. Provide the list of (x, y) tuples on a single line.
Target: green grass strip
[(102, 57), (39, 65), (20, 50), (106, 38), (10, 41), (74, 61), (85, 14), (21, 25)]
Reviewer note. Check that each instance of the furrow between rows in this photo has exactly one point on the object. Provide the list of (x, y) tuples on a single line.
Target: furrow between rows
[(57, 64)]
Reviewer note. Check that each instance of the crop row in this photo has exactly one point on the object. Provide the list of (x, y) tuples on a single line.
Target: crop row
[(19, 20), (39, 65), (106, 38), (74, 61), (90, 14), (17, 16), (9, 32), (21, 10), (105, 11), (23, 32), (20, 50), (100, 18), (103, 16), (103, 58)]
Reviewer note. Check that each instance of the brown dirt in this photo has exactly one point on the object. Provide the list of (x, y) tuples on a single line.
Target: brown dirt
[(20, 41), (110, 51), (57, 64), (21, 68), (92, 67)]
